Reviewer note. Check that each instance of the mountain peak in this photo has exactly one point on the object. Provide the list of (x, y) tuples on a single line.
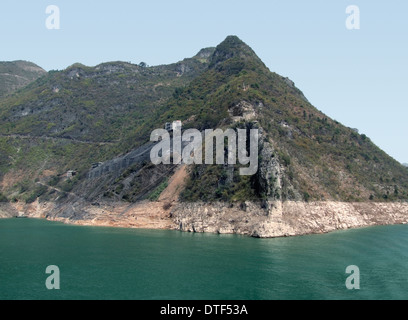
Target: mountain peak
[(232, 39), (230, 48)]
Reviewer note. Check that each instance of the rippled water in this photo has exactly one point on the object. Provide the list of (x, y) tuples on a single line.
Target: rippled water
[(110, 263)]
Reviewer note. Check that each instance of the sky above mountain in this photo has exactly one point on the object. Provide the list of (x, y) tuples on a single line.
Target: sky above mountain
[(357, 77)]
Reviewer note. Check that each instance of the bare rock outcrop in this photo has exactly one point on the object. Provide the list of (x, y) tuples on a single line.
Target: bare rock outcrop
[(287, 218)]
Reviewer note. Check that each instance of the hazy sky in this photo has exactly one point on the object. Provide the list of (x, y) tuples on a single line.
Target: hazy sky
[(358, 77)]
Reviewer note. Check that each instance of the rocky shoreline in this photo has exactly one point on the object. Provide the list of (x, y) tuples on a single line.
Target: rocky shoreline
[(288, 218), (278, 219)]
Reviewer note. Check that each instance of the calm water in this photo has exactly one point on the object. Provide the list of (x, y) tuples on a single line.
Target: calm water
[(105, 263)]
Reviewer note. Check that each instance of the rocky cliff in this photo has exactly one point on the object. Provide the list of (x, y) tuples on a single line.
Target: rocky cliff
[(278, 219), (287, 218)]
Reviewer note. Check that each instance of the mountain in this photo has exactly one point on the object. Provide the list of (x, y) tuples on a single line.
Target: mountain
[(17, 74), (304, 154), (69, 119), (405, 164), (97, 121)]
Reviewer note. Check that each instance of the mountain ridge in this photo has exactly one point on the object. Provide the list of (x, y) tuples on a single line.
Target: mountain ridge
[(304, 155), (17, 74)]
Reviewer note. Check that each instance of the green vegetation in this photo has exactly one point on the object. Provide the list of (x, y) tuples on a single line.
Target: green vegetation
[(17, 74), (3, 198), (68, 120), (222, 183), (155, 195), (38, 192)]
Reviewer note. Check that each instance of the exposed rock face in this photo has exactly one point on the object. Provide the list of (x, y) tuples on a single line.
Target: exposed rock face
[(242, 111), (206, 53), (270, 172), (6, 211), (144, 214), (278, 219), (288, 218), (271, 175), (219, 218)]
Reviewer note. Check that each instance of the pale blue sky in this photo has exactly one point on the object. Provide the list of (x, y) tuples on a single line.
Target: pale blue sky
[(357, 77)]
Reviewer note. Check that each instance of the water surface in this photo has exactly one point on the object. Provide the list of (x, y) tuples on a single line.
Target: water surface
[(112, 263)]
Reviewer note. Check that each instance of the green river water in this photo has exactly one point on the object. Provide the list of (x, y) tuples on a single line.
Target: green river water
[(112, 263)]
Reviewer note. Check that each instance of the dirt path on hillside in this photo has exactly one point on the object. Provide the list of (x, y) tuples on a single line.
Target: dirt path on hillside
[(25, 137), (175, 186)]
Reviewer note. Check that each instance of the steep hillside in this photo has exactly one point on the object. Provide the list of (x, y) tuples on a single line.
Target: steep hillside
[(75, 117), (304, 154), (17, 74), (104, 115)]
